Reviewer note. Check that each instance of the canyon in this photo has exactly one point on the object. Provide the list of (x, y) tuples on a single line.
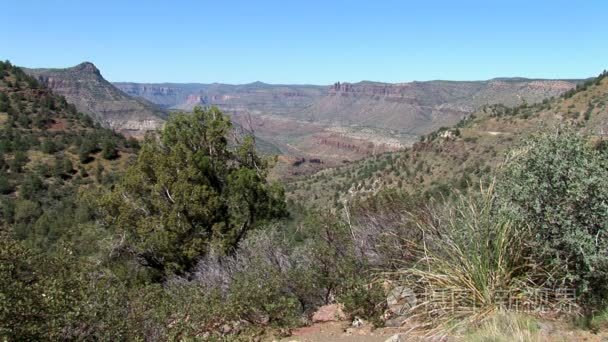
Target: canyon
[(344, 122), (335, 124)]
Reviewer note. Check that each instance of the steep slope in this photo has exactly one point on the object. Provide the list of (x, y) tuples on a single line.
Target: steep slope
[(454, 158), (85, 87), (48, 152)]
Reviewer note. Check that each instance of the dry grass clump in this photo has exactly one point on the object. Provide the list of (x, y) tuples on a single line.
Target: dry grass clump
[(472, 262), (506, 327)]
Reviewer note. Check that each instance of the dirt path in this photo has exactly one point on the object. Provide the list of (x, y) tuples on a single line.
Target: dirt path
[(339, 332)]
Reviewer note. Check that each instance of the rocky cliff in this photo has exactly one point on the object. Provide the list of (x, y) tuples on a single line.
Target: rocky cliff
[(85, 87)]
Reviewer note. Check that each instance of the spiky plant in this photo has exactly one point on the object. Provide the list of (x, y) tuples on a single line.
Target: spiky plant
[(471, 262)]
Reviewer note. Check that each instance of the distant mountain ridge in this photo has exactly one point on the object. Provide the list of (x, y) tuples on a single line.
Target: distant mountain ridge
[(187, 95), (414, 107), (344, 122), (85, 87)]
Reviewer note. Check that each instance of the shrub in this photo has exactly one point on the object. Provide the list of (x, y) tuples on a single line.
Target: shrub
[(5, 185), (18, 162), (49, 298), (108, 150), (49, 146), (556, 183), (363, 298), (469, 252)]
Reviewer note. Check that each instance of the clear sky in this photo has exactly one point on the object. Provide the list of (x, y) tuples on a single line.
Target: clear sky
[(309, 41)]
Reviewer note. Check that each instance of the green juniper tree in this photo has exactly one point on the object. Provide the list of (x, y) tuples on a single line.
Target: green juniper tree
[(108, 149), (191, 191)]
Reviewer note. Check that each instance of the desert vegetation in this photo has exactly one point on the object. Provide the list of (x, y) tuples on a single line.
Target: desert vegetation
[(183, 237)]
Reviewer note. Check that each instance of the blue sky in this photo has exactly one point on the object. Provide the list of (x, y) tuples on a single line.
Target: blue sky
[(308, 41)]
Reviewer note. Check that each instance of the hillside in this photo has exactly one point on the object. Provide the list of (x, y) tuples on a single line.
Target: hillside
[(48, 152), (346, 122), (421, 107), (85, 87), (454, 158)]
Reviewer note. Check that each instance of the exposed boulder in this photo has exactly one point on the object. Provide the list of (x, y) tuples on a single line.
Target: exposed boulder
[(329, 313)]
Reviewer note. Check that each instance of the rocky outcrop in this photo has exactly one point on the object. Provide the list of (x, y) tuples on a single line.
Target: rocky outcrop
[(195, 100), (85, 87), (136, 125)]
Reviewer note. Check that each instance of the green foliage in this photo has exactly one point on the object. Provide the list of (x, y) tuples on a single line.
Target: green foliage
[(277, 275), (258, 294), (189, 193), (470, 249), (38, 192), (48, 298), (63, 297), (556, 184), (363, 298), (48, 146), (582, 87), (19, 160), (5, 185), (31, 300), (331, 265), (87, 146), (108, 150), (195, 206)]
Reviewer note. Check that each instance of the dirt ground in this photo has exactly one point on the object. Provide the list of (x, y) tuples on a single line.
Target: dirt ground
[(339, 332), (343, 332)]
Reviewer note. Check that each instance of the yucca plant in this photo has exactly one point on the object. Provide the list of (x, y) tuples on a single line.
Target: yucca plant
[(471, 261)]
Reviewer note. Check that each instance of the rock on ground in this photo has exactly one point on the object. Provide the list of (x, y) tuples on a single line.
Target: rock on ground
[(328, 313)]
